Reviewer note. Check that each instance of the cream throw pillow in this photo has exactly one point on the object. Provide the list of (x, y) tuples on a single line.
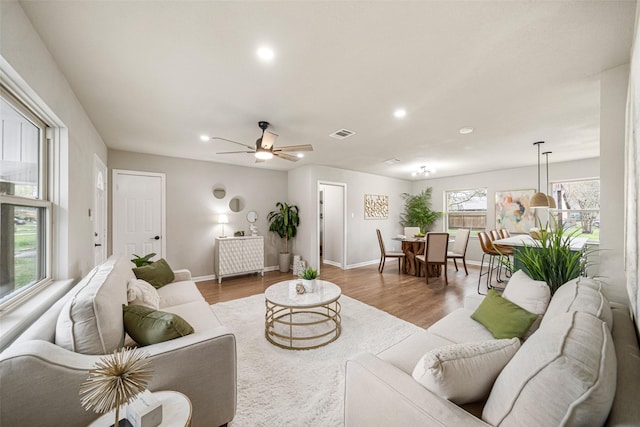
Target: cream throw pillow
[(464, 373), (142, 293), (532, 295)]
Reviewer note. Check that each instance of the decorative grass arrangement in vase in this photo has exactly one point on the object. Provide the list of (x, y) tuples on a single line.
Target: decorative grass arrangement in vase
[(116, 379), (309, 277), (551, 259)]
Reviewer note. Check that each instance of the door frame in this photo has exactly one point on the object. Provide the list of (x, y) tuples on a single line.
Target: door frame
[(163, 206), (344, 220), (98, 164)]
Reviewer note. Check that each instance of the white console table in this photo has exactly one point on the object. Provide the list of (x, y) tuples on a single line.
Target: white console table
[(238, 255)]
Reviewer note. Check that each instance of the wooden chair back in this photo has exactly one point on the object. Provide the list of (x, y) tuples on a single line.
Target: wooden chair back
[(380, 241)]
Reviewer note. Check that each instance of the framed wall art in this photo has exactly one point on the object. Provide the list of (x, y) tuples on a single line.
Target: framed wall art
[(376, 206), (513, 211)]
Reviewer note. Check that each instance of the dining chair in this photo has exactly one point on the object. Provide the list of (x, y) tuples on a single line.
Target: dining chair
[(384, 254), (487, 250), (411, 231), (435, 253), (504, 233), (459, 250)]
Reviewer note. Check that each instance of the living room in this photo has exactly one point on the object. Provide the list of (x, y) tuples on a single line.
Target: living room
[(33, 66)]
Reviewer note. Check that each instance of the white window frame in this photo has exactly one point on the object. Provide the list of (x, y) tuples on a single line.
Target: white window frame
[(446, 208), (43, 200), (555, 212)]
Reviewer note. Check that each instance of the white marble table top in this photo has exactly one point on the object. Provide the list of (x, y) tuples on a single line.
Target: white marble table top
[(577, 243), (284, 294)]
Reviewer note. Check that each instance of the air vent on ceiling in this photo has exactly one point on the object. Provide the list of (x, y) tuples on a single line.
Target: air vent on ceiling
[(342, 134)]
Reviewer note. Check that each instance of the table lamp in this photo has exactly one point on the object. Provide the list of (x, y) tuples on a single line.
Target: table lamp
[(223, 219)]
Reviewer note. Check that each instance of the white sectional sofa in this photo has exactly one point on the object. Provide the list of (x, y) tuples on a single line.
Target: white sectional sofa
[(581, 367), (41, 371)]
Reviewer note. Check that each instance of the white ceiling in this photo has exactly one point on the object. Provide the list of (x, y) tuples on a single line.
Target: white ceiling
[(153, 76)]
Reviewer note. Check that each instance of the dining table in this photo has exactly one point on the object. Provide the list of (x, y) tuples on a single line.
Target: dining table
[(412, 246)]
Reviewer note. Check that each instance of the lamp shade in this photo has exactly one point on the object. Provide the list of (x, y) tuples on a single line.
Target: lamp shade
[(552, 202), (539, 200), (223, 219)]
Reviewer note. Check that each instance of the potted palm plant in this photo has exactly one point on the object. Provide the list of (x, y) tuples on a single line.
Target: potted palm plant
[(417, 210), (552, 259), (284, 222)]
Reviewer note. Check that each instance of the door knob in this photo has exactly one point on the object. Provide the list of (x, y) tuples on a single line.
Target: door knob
[(155, 238), (97, 244)]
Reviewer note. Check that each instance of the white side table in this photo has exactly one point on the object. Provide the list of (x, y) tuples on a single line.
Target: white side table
[(176, 411)]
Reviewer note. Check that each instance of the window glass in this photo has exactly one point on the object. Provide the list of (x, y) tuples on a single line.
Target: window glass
[(466, 209), (23, 207), (578, 207)]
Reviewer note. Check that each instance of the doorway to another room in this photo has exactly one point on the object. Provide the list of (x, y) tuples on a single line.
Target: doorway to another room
[(332, 232)]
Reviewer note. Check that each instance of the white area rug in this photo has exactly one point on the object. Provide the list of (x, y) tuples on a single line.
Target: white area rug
[(278, 387)]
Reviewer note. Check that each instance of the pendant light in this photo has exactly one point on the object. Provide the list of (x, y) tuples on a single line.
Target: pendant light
[(539, 200), (552, 201)]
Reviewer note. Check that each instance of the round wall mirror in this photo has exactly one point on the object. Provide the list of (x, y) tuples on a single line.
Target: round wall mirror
[(219, 192), (252, 217), (236, 204)]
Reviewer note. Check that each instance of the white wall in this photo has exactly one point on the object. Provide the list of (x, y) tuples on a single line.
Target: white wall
[(362, 243), (27, 63), (508, 179), (192, 210), (613, 100)]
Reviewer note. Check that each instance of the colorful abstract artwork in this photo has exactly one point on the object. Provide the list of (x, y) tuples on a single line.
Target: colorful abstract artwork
[(513, 211)]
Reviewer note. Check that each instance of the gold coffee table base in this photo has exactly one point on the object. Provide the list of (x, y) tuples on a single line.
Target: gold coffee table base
[(292, 321)]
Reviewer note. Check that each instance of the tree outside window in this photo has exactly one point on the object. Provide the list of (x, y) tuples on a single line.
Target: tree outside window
[(579, 207), (466, 209)]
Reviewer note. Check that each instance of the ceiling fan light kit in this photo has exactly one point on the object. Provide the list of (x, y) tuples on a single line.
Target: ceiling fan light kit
[(539, 200), (265, 149)]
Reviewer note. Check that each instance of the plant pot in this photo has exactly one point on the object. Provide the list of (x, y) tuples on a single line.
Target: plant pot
[(309, 285), (284, 261)]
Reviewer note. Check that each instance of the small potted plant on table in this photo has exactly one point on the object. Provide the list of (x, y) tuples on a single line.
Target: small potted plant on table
[(308, 278)]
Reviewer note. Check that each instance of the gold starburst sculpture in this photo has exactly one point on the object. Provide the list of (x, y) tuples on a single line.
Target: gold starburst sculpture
[(116, 379)]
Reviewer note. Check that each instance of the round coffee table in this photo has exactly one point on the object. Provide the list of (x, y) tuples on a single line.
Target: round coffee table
[(302, 321)]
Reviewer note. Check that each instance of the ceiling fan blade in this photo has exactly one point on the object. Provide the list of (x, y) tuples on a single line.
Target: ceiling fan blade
[(286, 156), (268, 139), (305, 147), (228, 140), (236, 152), (259, 160)]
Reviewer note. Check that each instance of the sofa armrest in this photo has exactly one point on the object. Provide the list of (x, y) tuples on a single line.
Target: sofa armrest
[(472, 301), (181, 275), (40, 380), (378, 393)]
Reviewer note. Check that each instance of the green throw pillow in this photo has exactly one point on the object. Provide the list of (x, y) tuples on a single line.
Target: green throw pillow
[(157, 273), (503, 318), (148, 326)]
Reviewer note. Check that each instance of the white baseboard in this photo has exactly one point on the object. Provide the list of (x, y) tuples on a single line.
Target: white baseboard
[(214, 277), (362, 264)]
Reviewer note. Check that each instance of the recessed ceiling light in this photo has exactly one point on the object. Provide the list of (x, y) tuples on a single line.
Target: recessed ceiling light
[(400, 113), (466, 130), (265, 53), (205, 137), (300, 155)]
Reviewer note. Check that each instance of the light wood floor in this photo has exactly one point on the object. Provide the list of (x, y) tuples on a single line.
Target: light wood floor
[(403, 296)]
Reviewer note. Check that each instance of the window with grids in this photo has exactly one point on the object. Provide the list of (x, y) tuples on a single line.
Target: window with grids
[(24, 205), (466, 209), (578, 207)]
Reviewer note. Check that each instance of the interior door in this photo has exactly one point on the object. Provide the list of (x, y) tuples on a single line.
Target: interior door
[(99, 214), (138, 213)]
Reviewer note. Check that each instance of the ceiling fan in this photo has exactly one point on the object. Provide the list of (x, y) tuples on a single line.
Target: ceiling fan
[(264, 149)]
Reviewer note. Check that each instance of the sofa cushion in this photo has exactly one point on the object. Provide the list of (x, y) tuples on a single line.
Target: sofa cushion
[(458, 327), (405, 354), (140, 292), (503, 318), (581, 294), (197, 313), (158, 273), (532, 295), (90, 322), (177, 293), (464, 373), (565, 374), (147, 326)]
